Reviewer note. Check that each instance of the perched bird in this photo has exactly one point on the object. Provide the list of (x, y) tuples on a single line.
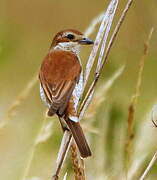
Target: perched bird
[(61, 82)]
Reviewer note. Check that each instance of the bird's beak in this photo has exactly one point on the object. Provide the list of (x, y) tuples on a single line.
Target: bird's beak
[(86, 41)]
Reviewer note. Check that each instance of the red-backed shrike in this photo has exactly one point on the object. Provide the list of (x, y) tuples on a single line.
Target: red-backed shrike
[(61, 82)]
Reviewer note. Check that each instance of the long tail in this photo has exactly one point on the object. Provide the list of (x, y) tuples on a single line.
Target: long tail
[(79, 138)]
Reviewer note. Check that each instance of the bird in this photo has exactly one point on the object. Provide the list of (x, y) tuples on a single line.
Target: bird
[(61, 83)]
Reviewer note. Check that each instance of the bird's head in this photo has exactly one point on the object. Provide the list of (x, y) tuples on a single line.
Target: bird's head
[(70, 39)]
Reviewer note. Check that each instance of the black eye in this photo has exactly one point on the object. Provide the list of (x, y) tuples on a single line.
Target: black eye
[(70, 36)]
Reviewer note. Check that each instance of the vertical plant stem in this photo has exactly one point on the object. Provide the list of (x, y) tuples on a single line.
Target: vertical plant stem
[(64, 147), (103, 31), (89, 65), (90, 91), (79, 170), (132, 106), (147, 170), (111, 10)]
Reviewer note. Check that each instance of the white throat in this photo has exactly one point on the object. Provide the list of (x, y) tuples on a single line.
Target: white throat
[(69, 46)]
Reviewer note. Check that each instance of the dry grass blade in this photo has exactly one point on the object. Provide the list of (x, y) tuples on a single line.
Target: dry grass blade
[(21, 97), (101, 94), (108, 18), (90, 29), (110, 14), (134, 99), (153, 160), (62, 156), (64, 147), (88, 98), (85, 106), (95, 49), (45, 133), (102, 30)]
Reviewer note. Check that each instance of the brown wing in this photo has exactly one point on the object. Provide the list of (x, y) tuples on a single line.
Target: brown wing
[(58, 75)]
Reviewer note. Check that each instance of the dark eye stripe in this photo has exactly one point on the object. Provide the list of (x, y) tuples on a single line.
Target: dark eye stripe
[(70, 36)]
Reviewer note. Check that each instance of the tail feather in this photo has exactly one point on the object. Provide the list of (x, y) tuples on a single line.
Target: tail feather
[(79, 138)]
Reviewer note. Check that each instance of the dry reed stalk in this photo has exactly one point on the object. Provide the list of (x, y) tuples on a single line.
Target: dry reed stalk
[(101, 94), (134, 99), (91, 28), (103, 32), (18, 100), (63, 150), (102, 35), (153, 160), (103, 58), (110, 12), (79, 171), (99, 97)]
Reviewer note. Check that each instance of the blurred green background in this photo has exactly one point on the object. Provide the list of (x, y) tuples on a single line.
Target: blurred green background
[(26, 31)]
